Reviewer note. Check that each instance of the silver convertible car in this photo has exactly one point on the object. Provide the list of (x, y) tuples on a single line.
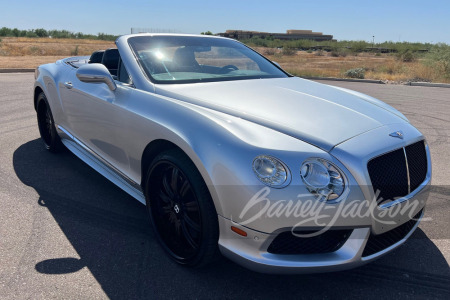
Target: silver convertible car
[(231, 154)]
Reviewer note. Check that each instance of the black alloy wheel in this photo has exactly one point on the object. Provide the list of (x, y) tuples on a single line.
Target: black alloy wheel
[(181, 209), (46, 125)]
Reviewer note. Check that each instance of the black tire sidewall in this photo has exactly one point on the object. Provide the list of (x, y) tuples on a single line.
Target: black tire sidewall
[(208, 250), (55, 144)]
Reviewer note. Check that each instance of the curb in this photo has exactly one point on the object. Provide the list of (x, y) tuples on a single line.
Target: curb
[(428, 84), (344, 79), (17, 70)]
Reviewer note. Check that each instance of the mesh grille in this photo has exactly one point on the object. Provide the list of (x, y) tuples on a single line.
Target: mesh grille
[(388, 175), (417, 163), (388, 172), (329, 241), (377, 243)]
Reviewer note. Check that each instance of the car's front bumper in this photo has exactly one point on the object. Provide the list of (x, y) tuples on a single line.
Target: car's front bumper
[(251, 251)]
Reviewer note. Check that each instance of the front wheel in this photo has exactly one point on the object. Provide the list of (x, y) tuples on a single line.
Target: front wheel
[(181, 209), (46, 125)]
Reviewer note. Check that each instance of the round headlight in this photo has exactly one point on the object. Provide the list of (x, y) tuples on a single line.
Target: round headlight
[(322, 179), (271, 171)]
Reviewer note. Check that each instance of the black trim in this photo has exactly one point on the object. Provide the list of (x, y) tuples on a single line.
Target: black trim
[(378, 243), (327, 242)]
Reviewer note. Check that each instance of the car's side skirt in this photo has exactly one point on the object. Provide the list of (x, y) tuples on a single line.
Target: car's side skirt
[(100, 165)]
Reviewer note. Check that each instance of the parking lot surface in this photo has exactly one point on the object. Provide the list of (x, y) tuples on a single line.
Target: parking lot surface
[(66, 232)]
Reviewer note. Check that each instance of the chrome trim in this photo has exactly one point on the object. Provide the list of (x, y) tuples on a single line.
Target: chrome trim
[(68, 84), (407, 171), (397, 134)]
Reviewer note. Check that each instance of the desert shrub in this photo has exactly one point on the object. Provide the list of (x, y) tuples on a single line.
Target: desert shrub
[(319, 53), (406, 56), (303, 44), (309, 51), (269, 51), (358, 46), (356, 73), (339, 52), (288, 51), (335, 53), (439, 58), (403, 47)]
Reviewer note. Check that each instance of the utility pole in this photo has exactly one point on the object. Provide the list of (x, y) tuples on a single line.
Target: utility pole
[(373, 43)]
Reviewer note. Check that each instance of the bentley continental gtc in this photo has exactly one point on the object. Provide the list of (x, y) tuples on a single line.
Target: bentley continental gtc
[(232, 155)]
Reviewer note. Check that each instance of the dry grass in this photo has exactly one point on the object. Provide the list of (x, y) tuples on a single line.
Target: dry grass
[(32, 52), (383, 67), (35, 48)]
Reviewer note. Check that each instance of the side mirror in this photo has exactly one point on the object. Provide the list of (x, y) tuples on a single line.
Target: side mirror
[(96, 73), (277, 64)]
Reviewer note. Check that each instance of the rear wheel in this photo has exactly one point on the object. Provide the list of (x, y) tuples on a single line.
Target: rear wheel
[(181, 209), (46, 125)]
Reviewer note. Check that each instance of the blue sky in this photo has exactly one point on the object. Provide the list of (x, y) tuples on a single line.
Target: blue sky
[(423, 21)]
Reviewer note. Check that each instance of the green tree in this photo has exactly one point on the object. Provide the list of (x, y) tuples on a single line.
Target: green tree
[(41, 32), (4, 31), (15, 32)]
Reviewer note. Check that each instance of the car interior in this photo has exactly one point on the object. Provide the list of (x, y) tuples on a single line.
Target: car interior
[(110, 58), (183, 60)]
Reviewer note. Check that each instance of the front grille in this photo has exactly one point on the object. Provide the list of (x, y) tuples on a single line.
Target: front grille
[(377, 243), (329, 241), (417, 163), (389, 173)]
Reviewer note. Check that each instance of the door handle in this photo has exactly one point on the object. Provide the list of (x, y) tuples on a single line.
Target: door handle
[(68, 84)]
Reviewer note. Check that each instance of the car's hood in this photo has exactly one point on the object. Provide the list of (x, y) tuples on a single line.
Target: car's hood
[(319, 114)]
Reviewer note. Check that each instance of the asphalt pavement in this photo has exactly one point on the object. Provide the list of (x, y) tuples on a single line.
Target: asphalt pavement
[(66, 232)]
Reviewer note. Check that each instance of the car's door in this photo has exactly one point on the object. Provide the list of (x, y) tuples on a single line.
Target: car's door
[(95, 116)]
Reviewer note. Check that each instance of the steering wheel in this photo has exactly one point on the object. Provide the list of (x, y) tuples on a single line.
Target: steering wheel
[(228, 68)]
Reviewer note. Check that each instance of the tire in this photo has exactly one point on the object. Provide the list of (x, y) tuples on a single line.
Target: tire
[(181, 210), (46, 124)]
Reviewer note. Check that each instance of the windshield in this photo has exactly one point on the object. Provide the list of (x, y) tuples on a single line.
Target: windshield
[(188, 59)]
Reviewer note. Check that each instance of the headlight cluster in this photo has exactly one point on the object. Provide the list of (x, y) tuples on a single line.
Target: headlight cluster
[(271, 171), (322, 178)]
